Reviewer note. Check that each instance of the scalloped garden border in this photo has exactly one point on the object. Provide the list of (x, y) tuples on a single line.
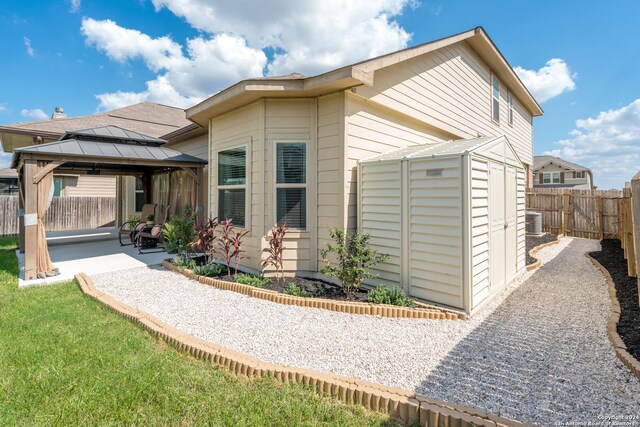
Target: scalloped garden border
[(399, 403), (382, 310), (537, 248), (612, 325)]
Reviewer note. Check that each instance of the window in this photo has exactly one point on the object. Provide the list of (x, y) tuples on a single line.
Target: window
[(510, 109), (580, 174), (291, 184), (495, 105), (232, 185), (139, 195), (551, 178), (57, 187)]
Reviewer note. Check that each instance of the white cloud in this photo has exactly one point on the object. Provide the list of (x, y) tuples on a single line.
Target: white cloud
[(549, 81), (75, 5), (3, 107), (307, 37), (36, 113), (608, 143), (28, 47)]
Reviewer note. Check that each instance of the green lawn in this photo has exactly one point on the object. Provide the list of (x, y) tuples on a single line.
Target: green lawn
[(66, 360)]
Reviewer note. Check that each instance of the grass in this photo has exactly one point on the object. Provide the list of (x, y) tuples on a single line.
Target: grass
[(67, 360)]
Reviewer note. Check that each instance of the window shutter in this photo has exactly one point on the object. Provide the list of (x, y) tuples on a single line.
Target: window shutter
[(574, 174), (561, 177), (541, 178)]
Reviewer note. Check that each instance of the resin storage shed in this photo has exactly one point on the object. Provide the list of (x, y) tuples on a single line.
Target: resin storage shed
[(451, 216)]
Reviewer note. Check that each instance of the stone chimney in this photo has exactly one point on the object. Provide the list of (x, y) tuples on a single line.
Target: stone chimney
[(58, 113)]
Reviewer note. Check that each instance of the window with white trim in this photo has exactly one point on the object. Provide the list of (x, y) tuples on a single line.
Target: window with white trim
[(232, 185), (495, 98), (580, 174), (551, 178), (510, 109), (291, 184)]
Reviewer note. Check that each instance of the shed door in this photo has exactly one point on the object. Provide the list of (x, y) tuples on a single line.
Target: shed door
[(511, 232), (497, 221)]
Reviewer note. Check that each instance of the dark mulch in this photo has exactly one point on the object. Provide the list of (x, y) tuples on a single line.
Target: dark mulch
[(533, 241), (315, 288), (612, 258)]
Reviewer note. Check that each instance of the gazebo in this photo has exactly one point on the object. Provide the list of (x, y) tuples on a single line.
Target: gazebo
[(107, 150)]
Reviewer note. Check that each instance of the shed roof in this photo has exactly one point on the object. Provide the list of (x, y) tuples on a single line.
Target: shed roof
[(449, 148)]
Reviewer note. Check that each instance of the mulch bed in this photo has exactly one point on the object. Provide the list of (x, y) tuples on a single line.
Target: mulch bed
[(315, 288), (533, 241), (612, 258)]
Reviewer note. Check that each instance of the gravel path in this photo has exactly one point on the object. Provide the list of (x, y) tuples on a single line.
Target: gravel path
[(538, 352)]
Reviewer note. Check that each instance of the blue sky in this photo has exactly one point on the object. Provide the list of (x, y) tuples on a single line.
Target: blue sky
[(581, 59)]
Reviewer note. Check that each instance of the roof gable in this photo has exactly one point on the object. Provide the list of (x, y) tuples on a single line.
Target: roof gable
[(541, 161)]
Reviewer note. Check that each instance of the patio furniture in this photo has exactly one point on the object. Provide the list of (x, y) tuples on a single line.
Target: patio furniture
[(152, 236), (127, 230)]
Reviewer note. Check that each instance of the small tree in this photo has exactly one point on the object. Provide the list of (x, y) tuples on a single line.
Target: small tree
[(354, 259), (275, 252), (205, 241)]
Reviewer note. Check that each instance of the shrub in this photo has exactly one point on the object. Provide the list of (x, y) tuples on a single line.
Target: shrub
[(251, 280), (132, 221), (151, 217), (230, 244), (205, 241), (209, 270), (179, 235), (354, 259), (382, 294), (276, 249), (297, 291), (183, 262)]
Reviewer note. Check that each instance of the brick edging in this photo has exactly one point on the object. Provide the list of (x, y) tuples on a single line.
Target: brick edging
[(612, 325), (537, 248), (381, 310), (399, 403)]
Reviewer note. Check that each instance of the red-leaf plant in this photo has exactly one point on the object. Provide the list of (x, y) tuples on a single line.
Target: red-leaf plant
[(206, 239), (275, 252), (230, 244)]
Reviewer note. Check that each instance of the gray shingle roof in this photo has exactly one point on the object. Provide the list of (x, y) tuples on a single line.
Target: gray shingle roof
[(539, 161), (147, 118)]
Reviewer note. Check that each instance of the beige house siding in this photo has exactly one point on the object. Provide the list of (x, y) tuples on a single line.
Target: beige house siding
[(374, 129), (237, 128), (451, 89), (87, 186)]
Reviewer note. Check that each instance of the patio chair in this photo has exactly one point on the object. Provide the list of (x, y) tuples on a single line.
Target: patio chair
[(127, 230), (149, 235)]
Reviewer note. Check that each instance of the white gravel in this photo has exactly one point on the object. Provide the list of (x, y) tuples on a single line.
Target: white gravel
[(538, 352)]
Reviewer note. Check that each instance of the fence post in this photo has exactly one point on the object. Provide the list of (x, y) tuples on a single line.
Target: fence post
[(635, 217), (600, 218), (566, 212)]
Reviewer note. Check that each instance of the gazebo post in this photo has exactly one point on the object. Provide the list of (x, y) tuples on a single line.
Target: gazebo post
[(30, 219), (21, 210)]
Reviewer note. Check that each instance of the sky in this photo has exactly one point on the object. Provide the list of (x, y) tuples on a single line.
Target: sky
[(580, 59)]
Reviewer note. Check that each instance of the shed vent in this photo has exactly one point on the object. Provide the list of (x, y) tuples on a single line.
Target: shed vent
[(434, 172)]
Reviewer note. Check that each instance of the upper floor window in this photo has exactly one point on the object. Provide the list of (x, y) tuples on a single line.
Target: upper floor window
[(510, 109), (291, 184), (232, 185), (551, 178), (495, 101), (580, 174)]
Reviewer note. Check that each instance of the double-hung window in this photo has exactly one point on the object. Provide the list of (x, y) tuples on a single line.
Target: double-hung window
[(510, 109), (291, 184), (495, 98), (232, 185), (551, 178)]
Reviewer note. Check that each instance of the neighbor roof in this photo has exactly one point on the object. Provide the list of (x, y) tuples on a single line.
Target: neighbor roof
[(147, 118), (539, 161), (8, 173), (249, 90)]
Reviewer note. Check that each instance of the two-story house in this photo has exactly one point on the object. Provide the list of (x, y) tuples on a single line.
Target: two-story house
[(553, 172)]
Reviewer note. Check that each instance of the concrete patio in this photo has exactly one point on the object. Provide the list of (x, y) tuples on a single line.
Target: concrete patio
[(89, 251)]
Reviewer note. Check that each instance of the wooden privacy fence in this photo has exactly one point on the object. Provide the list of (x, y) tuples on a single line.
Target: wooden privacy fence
[(65, 213), (591, 214)]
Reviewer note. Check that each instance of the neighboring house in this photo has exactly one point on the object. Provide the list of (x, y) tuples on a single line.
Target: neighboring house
[(147, 118), (553, 172), (8, 182), (286, 148)]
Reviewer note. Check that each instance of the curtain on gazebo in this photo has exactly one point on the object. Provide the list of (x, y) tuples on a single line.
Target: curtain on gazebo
[(44, 266)]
